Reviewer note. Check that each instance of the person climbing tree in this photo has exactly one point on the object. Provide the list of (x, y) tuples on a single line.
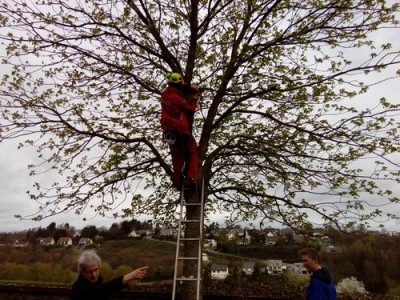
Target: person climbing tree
[(178, 105)]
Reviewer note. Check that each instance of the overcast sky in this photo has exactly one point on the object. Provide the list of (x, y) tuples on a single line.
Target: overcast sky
[(14, 179)]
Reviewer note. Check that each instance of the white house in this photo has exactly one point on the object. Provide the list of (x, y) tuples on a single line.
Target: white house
[(134, 234), (275, 267), (204, 256), (64, 241), (219, 271), (49, 241)]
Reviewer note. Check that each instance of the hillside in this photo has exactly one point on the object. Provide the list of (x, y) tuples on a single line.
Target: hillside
[(116, 255), (54, 265)]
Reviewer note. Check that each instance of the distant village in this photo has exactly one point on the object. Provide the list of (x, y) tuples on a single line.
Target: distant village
[(90, 236)]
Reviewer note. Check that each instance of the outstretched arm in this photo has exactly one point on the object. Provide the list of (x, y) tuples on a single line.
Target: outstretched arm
[(135, 274)]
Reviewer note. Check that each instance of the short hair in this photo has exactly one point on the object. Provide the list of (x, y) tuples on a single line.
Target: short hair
[(311, 253), (86, 257)]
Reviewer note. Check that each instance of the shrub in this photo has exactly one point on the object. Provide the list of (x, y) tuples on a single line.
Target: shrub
[(350, 285)]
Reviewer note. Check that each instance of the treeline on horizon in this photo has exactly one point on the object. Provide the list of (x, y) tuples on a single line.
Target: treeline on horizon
[(115, 231)]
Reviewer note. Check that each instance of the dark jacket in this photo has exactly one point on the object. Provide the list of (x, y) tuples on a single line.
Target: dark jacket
[(83, 289), (321, 286)]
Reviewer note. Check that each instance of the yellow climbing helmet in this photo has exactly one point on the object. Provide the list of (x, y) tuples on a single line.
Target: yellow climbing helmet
[(174, 78)]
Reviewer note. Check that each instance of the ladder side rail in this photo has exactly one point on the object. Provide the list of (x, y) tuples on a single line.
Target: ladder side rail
[(177, 247), (201, 220)]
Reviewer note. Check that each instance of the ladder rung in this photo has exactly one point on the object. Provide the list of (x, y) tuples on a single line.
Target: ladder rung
[(190, 221), (191, 204), (188, 258), (186, 279), (189, 239)]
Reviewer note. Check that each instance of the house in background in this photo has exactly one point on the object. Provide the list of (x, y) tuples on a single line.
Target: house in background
[(219, 271), (49, 241), (298, 268), (275, 267), (134, 234), (168, 232), (140, 233), (244, 238), (64, 241), (210, 244), (144, 232), (270, 238), (20, 244), (233, 233), (248, 267), (83, 242), (204, 256)]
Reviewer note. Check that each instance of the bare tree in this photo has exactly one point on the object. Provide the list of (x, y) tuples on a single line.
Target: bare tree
[(275, 127)]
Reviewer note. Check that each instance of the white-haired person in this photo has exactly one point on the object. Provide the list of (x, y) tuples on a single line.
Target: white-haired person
[(90, 284)]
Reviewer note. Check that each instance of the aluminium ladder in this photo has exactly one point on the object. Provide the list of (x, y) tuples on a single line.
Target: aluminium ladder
[(178, 257)]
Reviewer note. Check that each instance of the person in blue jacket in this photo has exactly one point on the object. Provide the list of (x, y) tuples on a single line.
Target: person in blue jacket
[(321, 286)]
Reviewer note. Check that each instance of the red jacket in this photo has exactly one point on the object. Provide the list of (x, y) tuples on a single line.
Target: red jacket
[(174, 110)]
